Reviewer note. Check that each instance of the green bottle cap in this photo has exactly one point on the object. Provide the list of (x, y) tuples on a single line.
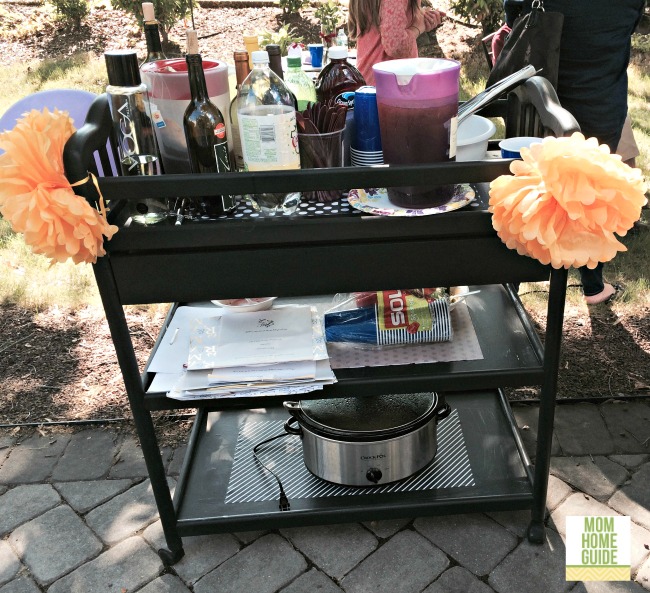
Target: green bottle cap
[(294, 62)]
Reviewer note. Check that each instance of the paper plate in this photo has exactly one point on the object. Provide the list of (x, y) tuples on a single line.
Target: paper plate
[(246, 305), (375, 201)]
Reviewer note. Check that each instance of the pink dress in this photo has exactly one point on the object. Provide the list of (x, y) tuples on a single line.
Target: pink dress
[(390, 41)]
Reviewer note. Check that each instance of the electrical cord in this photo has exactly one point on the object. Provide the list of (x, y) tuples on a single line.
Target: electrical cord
[(284, 501)]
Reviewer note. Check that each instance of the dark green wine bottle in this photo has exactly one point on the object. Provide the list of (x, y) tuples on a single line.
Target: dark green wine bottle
[(206, 136), (152, 34)]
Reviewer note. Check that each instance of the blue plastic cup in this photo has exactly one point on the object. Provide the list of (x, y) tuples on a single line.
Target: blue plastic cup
[(316, 52), (367, 136), (511, 147)]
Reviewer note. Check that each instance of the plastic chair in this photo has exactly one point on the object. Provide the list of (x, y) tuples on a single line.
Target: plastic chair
[(76, 102), (532, 109), (486, 44)]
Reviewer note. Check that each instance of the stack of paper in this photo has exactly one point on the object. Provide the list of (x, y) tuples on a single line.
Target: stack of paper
[(276, 352)]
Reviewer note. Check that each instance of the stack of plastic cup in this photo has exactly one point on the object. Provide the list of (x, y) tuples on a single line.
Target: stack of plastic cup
[(366, 144)]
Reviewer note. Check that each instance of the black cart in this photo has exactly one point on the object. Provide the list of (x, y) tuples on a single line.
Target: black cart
[(318, 252)]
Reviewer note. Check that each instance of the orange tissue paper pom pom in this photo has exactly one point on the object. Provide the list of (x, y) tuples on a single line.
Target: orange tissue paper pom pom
[(565, 202), (36, 197)]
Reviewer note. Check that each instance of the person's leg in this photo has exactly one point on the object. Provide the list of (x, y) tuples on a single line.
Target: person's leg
[(595, 290), (627, 146)]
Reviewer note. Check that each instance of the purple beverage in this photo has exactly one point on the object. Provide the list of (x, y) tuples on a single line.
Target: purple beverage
[(417, 100), (412, 135)]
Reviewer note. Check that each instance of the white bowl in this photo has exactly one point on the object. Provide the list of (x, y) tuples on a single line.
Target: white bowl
[(246, 305), (472, 138)]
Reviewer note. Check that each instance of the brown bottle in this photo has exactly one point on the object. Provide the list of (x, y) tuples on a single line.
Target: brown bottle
[(338, 78), (275, 63), (275, 59)]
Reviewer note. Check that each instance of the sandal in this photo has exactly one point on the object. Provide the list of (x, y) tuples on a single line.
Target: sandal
[(619, 290)]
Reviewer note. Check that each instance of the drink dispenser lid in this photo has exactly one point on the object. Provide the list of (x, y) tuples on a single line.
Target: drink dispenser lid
[(419, 78), (167, 79), (122, 67)]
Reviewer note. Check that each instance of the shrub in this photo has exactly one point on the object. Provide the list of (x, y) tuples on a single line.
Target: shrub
[(489, 13), (290, 7), (168, 12), (284, 38), (72, 11), (329, 14)]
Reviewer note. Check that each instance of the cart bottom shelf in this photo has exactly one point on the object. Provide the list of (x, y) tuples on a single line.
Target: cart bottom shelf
[(478, 467)]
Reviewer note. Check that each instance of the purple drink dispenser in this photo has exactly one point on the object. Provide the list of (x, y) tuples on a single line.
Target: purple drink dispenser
[(417, 100), (169, 95)]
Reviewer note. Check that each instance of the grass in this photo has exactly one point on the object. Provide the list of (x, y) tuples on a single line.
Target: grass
[(82, 71), (28, 280)]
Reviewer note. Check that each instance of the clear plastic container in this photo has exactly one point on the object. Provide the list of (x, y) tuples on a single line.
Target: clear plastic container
[(268, 132), (299, 83), (417, 100)]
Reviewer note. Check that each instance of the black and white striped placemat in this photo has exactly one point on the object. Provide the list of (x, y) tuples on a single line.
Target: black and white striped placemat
[(249, 482)]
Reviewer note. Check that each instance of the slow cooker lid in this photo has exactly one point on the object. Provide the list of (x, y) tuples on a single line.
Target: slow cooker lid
[(369, 414)]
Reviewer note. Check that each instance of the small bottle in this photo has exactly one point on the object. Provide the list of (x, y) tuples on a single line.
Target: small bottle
[(133, 126), (342, 38), (205, 130), (242, 70), (251, 43), (298, 82), (152, 34), (267, 126)]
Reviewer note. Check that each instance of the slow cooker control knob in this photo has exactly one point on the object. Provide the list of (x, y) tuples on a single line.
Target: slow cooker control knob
[(373, 475)]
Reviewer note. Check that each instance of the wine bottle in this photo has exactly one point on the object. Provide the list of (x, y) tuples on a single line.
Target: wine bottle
[(242, 70), (205, 130), (152, 34)]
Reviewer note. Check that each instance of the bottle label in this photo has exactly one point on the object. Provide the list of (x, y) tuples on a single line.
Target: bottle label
[(220, 131), (270, 141), (346, 98), (221, 155), (157, 117)]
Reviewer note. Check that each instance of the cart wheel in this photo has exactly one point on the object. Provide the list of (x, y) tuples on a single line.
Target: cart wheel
[(168, 558), (536, 532)]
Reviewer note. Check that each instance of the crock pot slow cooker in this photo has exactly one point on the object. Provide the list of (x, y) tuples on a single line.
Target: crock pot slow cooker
[(367, 441)]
